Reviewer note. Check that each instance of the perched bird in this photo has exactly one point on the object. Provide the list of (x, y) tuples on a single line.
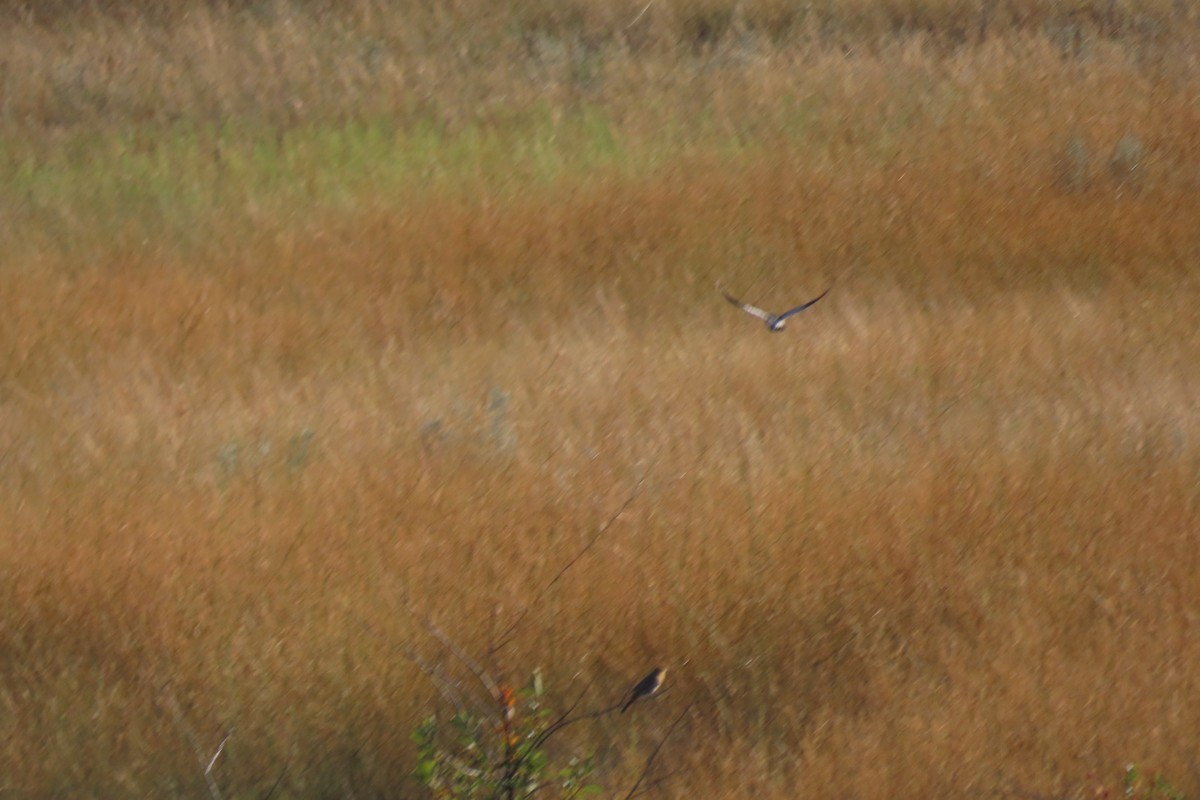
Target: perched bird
[(775, 322), (646, 686)]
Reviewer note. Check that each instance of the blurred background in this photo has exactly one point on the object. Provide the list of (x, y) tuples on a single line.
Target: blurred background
[(326, 323)]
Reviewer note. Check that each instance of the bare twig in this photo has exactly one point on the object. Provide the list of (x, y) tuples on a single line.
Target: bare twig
[(661, 779), (640, 14), (197, 315), (549, 366), (565, 719), (220, 748), (633, 790), (275, 785), (181, 722), (446, 687), (506, 636), (478, 671)]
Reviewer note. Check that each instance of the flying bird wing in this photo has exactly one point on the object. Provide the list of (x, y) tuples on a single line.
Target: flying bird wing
[(798, 309), (749, 309)]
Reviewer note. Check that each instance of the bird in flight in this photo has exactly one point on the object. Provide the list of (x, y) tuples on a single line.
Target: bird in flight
[(775, 322), (646, 686)]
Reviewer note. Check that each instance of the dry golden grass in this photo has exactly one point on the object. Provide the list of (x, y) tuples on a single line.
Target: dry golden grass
[(937, 539)]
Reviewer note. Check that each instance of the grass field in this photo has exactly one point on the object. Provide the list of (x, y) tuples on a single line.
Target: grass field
[(317, 315)]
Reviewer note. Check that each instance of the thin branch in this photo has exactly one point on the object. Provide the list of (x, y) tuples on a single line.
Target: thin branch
[(553, 361), (661, 779), (479, 672), (275, 785), (565, 719), (181, 722), (633, 790), (506, 636), (220, 748), (455, 696), (197, 314), (641, 13)]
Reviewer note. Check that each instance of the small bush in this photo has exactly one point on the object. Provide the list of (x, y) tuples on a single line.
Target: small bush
[(477, 754)]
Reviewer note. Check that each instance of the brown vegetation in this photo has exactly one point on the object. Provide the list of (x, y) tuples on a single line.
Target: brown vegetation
[(267, 381)]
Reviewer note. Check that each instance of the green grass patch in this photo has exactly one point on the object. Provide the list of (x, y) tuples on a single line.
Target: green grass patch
[(179, 183)]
